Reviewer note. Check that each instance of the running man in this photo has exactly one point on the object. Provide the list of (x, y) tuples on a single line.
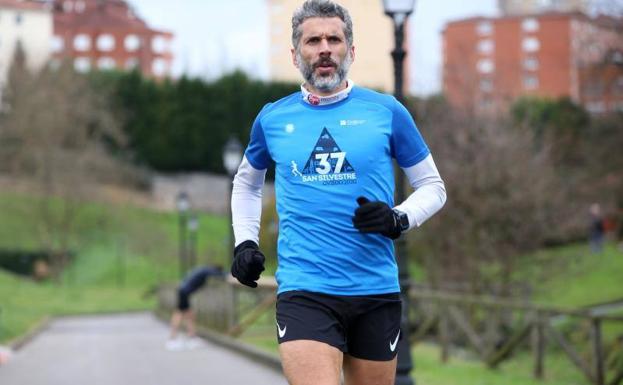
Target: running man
[(338, 305)]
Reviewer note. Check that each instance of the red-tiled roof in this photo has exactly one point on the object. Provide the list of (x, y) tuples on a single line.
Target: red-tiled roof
[(24, 4), (109, 15)]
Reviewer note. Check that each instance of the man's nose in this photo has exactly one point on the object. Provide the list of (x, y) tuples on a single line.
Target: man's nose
[(325, 48)]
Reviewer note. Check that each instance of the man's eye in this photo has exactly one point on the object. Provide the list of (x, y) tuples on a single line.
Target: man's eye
[(334, 39), (313, 40)]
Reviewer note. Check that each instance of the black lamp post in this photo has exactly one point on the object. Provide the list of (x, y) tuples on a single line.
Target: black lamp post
[(399, 11), (183, 204), (193, 225)]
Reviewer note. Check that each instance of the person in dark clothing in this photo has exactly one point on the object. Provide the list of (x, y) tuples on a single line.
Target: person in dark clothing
[(193, 281), (597, 233)]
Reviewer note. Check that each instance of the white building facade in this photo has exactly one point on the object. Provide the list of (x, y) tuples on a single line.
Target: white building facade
[(29, 24)]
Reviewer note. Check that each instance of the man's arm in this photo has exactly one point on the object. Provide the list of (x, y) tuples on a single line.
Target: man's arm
[(246, 202), (246, 209), (429, 195)]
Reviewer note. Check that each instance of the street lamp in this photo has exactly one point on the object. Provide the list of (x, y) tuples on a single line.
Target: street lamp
[(232, 156), (399, 11), (183, 204)]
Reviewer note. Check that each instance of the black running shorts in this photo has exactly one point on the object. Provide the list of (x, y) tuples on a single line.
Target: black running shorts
[(365, 327)]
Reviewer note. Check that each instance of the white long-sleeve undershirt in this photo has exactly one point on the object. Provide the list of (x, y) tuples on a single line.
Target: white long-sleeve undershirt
[(246, 203)]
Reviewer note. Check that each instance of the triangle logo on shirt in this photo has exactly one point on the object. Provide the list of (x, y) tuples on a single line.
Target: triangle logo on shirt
[(327, 157)]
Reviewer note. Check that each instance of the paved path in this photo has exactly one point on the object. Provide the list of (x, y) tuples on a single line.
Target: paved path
[(125, 349)]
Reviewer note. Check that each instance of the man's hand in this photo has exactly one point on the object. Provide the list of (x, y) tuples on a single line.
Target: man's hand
[(248, 263), (376, 217)]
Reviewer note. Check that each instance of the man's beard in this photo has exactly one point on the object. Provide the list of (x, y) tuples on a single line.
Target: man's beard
[(324, 83)]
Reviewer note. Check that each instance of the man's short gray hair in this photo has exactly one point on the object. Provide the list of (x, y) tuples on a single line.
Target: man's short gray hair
[(320, 8)]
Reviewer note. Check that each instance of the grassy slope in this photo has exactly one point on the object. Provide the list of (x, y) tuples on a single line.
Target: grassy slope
[(572, 276), (122, 252)]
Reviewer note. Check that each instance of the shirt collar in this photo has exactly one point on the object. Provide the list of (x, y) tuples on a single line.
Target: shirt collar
[(316, 100)]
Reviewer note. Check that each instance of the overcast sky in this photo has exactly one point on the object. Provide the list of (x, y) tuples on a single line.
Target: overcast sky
[(213, 37)]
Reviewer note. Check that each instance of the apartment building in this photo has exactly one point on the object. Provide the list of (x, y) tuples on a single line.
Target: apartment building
[(108, 34), (489, 62)]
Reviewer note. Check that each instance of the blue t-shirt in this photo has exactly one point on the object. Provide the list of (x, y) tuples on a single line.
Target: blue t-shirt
[(325, 157)]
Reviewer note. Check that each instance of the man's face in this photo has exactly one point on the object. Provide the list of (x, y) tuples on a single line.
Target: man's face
[(323, 55)]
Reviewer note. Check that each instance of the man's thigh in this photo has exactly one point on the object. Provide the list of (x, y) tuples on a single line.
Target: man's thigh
[(366, 372), (307, 362)]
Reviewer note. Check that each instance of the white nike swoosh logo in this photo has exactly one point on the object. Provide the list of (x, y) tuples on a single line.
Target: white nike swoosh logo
[(392, 345), (281, 332)]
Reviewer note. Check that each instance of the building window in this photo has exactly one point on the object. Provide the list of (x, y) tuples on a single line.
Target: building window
[(485, 66), (530, 44), (82, 42), (485, 46), (82, 64), (530, 25), (132, 43), (596, 107), (530, 82), (484, 28), (159, 44), (19, 18), (530, 64), (486, 85), (131, 63), (159, 67), (68, 6), (106, 63), (106, 42), (57, 43), (80, 6)]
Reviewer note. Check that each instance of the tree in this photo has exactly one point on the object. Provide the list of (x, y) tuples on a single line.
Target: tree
[(502, 200), (56, 133)]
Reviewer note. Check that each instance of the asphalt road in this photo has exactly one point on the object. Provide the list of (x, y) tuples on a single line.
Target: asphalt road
[(125, 349)]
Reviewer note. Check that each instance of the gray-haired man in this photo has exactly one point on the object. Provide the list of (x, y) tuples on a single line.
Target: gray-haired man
[(338, 304)]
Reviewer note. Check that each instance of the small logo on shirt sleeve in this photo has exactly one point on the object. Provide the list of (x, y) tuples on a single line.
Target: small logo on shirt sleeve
[(352, 122)]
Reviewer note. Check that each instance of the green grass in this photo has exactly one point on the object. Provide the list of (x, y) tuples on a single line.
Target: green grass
[(121, 253), (25, 303), (459, 371), (572, 276)]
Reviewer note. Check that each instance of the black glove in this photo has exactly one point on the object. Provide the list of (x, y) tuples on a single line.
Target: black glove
[(376, 217), (248, 263)]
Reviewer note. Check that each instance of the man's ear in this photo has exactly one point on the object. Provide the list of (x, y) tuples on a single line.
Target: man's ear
[(352, 52), (294, 61)]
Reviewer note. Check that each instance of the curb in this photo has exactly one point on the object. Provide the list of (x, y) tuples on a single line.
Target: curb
[(19, 341), (22, 340), (251, 352)]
